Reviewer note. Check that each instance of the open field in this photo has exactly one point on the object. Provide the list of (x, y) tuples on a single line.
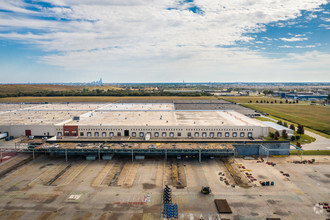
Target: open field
[(100, 98), (311, 152), (295, 124), (315, 117), (122, 189), (14, 89), (246, 99), (33, 88)]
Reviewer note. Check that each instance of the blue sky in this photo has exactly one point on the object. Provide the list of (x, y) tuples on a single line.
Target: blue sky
[(164, 41)]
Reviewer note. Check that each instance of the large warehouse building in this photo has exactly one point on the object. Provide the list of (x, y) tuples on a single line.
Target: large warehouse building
[(147, 121)]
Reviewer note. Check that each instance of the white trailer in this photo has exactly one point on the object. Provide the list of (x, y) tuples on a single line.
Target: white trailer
[(3, 135)]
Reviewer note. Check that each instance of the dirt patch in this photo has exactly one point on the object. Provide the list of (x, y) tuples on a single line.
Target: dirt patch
[(50, 182), (262, 177), (47, 215), (114, 216), (15, 215), (14, 167), (50, 199), (272, 202), (280, 212), (148, 186), (112, 207), (138, 216), (12, 188), (178, 175), (46, 165), (234, 171), (105, 216), (151, 209), (241, 204), (83, 216)]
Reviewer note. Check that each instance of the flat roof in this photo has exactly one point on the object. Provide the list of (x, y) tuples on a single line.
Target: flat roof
[(137, 106), (118, 114), (37, 117), (275, 125), (165, 118)]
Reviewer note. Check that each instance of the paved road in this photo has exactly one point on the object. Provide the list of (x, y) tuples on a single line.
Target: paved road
[(321, 143)]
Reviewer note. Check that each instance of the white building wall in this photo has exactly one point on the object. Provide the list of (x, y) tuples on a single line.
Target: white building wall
[(170, 131), (36, 130)]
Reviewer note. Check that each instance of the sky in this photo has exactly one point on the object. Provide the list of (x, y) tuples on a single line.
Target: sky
[(54, 41)]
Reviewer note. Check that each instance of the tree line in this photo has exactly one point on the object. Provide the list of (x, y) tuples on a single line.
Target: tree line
[(275, 101), (100, 92)]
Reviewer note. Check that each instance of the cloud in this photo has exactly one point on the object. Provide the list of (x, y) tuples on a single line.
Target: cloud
[(87, 35), (294, 39), (325, 19), (326, 26)]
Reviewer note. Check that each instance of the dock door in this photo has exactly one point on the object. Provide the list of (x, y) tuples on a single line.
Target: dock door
[(28, 133), (126, 133)]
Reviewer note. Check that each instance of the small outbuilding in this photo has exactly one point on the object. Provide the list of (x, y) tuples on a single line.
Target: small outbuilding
[(273, 127)]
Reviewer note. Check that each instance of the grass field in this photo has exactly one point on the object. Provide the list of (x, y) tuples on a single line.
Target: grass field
[(315, 117), (263, 119), (310, 152), (246, 99), (100, 98), (32, 88)]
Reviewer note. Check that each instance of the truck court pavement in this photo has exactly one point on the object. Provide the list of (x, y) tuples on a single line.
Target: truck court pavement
[(50, 188)]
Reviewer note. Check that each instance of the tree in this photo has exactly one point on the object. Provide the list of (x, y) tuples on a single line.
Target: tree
[(292, 127), (297, 137), (271, 135), (276, 136), (300, 129), (293, 138), (285, 124), (277, 133), (284, 134), (280, 122), (298, 144)]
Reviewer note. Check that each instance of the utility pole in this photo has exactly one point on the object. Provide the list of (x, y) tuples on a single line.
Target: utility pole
[(132, 155)]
